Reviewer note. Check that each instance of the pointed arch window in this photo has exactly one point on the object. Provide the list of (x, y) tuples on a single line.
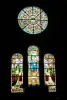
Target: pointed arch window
[(50, 72), (17, 73), (33, 66)]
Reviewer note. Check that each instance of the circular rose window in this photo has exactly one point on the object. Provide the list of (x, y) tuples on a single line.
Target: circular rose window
[(32, 20)]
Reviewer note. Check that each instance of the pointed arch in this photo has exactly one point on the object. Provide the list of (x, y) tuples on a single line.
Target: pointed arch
[(50, 72), (33, 66), (16, 73)]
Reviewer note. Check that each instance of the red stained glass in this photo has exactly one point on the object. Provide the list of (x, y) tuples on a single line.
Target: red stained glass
[(47, 77), (20, 78), (13, 78), (53, 77)]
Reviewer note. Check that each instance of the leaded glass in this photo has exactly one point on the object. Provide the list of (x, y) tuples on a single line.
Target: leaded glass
[(50, 72), (17, 73), (33, 66), (32, 20)]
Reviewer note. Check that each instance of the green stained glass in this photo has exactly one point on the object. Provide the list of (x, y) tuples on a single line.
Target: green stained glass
[(32, 20), (33, 66), (17, 73), (50, 72)]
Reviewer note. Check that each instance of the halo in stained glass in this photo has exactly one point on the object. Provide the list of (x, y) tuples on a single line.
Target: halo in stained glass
[(32, 20)]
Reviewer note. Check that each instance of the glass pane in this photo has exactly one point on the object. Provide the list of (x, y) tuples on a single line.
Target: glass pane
[(32, 72), (50, 72), (17, 73), (28, 28), (33, 66), (35, 18), (33, 81), (22, 23)]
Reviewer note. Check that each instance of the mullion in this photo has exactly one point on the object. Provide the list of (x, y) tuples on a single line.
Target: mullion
[(25, 12), (30, 19), (33, 29), (40, 20), (26, 26), (32, 10)]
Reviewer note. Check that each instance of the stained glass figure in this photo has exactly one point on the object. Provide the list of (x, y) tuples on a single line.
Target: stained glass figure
[(50, 72), (33, 66), (17, 73), (32, 20)]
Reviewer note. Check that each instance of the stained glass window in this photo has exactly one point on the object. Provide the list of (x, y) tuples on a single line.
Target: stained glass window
[(17, 73), (32, 20), (33, 66), (50, 72)]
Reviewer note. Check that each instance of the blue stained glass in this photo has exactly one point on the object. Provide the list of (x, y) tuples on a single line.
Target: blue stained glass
[(36, 85), (21, 85), (33, 66), (31, 61), (33, 52), (16, 73), (30, 85), (32, 16)]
